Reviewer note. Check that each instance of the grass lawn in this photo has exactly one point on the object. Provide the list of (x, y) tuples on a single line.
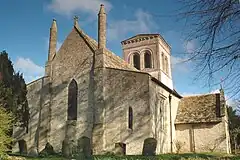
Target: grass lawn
[(186, 156)]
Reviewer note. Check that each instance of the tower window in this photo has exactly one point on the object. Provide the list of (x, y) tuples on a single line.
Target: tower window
[(130, 118), (163, 62), (147, 60), (72, 100), (136, 60), (166, 63)]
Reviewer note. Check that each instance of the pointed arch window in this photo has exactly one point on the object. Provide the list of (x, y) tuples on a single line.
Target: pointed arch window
[(147, 60), (136, 60), (130, 118), (72, 100)]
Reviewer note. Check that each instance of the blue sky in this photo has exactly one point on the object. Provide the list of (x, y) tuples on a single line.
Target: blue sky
[(25, 30)]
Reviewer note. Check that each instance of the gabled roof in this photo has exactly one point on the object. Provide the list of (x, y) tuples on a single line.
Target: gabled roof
[(111, 59), (199, 109), (114, 61)]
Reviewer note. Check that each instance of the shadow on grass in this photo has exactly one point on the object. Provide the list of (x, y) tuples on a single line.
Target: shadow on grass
[(185, 156)]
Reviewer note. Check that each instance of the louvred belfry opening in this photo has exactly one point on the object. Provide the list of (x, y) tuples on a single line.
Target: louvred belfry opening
[(136, 60)]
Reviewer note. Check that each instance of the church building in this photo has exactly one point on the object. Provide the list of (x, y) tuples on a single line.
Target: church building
[(90, 96)]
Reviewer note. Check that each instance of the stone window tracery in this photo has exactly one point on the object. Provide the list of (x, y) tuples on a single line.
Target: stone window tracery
[(72, 100), (136, 60)]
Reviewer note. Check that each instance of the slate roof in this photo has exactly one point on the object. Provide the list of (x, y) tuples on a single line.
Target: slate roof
[(199, 109)]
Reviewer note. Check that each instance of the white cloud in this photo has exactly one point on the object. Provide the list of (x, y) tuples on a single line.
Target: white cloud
[(190, 46), (202, 93), (231, 102), (142, 23), (59, 44), (186, 94), (179, 64), (215, 91), (70, 7), (30, 70)]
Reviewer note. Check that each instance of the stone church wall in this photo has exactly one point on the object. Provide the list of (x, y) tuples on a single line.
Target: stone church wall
[(38, 102), (74, 60), (160, 113), (124, 89), (205, 137)]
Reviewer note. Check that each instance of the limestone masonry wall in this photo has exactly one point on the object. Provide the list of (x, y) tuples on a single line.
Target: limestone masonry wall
[(73, 61), (124, 89), (206, 137), (160, 117)]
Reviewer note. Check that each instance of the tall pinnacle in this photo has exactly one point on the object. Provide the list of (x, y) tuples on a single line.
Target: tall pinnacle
[(54, 24), (76, 21), (52, 40), (102, 21), (102, 9)]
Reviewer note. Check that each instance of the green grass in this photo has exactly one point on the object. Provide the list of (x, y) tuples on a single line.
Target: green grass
[(186, 156)]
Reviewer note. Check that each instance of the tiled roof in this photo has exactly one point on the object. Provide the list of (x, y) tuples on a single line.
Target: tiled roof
[(200, 109)]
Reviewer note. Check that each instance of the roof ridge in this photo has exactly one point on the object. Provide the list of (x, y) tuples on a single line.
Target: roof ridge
[(94, 44), (199, 95), (88, 39)]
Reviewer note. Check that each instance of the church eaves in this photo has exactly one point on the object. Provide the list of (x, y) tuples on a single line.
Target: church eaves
[(143, 37)]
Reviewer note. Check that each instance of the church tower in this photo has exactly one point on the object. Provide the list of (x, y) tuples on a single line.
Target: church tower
[(149, 53)]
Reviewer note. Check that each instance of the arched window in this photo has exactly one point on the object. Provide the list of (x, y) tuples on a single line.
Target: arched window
[(163, 63), (147, 60), (72, 100), (166, 63), (136, 60), (130, 118)]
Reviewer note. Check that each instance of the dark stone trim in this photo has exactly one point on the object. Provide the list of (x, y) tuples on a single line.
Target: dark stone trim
[(166, 87)]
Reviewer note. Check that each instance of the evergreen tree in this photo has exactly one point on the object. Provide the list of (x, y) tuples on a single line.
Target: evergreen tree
[(13, 91), (5, 127), (6, 69), (234, 128)]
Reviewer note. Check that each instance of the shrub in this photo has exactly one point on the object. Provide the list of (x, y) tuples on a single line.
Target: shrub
[(5, 127), (179, 146)]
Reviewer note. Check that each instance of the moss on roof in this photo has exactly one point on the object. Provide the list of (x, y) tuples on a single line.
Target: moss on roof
[(198, 109)]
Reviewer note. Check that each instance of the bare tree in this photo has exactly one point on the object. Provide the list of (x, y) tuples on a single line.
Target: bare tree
[(215, 25)]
